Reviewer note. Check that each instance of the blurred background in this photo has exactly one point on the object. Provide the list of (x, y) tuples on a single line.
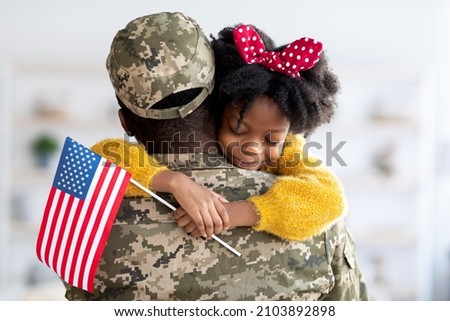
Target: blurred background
[(389, 141)]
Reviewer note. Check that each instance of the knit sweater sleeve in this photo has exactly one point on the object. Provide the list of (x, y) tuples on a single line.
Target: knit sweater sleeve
[(306, 198), (133, 158)]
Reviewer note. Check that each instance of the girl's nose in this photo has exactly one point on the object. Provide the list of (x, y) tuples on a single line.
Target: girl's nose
[(252, 147)]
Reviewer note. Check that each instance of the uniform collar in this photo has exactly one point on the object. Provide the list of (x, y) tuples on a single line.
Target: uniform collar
[(192, 161)]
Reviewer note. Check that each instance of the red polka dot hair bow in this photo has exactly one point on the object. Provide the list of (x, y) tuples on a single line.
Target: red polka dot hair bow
[(300, 55)]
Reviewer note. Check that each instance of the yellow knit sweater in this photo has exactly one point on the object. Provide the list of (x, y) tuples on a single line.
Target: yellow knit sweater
[(304, 201), (133, 158)]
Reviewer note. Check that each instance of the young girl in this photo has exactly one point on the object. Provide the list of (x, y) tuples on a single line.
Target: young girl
[(266, 95), (264, 98)]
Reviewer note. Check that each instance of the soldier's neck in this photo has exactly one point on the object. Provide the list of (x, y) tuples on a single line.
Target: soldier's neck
[(182, 143)]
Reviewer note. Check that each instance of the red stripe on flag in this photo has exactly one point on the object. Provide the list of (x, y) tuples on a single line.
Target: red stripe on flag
[(44, 224), (105, 235), (89, 213)]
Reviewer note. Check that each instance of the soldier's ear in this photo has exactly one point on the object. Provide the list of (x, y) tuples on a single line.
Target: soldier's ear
[(123, 121)]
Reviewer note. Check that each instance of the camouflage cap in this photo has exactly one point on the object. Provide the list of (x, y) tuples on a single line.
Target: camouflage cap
[(157, 55)]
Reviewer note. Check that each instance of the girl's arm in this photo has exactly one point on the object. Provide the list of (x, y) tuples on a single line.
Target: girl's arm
[(305, 200), (204, 206)]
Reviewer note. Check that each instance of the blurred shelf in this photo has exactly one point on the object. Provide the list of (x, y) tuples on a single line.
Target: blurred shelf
[(25, 229), (364, 128), (387, 237), (404, 293), (366, 182), (34, 175), (24, 69), (81, 122), (373, 74), (46, 291)]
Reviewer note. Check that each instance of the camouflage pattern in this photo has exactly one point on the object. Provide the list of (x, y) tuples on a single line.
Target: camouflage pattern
[(148, 257), (158, 55)]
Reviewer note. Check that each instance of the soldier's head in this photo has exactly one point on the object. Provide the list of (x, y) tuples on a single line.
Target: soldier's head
[(161, 67)]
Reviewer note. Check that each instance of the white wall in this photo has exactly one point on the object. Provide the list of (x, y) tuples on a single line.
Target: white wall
[(370, 31), (442, 239), (399, 33), (5, 165)]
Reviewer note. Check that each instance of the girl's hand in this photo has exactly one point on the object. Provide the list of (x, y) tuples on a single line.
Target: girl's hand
[(241, 213), (202, 205), (201, 208), (186, 223)]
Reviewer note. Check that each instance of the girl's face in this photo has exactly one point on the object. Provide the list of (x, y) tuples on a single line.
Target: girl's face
[(260, 136)]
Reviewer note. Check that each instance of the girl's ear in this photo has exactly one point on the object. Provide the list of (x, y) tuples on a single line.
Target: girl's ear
[(125, 125)]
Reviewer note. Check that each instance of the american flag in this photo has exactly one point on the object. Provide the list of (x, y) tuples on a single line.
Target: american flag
[(83, 201)]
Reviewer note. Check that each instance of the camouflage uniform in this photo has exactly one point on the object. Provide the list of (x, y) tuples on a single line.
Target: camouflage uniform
[(148, 257)]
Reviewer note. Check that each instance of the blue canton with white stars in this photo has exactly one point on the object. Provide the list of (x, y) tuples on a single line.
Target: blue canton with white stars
[(76, 169)]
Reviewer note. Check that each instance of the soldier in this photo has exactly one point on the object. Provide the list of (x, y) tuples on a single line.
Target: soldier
[(162, 69)]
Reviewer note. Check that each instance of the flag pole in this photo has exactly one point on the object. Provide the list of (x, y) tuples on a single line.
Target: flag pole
[(173, 209)]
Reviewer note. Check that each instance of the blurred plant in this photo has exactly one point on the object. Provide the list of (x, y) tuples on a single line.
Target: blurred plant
[(44, 147), (383, 161)]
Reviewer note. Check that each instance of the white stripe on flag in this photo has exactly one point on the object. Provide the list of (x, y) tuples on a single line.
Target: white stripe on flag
[(102, 224)]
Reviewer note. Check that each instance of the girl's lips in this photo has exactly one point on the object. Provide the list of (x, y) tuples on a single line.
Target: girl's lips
[(243, 164)]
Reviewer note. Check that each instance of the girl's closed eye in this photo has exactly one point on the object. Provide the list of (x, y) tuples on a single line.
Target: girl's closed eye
[(272, 143), (271, 140), (236, 131)]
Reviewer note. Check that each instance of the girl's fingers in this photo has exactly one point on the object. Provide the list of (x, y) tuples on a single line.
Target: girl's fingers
[(221, 210), (221, 198), (191, 227)]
